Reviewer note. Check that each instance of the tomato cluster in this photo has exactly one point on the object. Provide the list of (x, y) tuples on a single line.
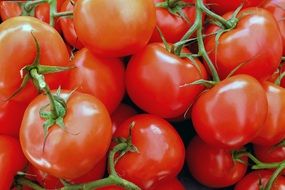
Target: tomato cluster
[(142, 94)]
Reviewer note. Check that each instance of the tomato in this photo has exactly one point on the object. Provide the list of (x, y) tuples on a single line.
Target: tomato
[(257, 180), (11, 114), (258, 55), (213, 167), (9, 9), (122, 113), (124, 27), (17, 50), (161, 151), (83, 143), (173, 27), (169, 184), (12, 160), (101, 77), (222, 6), (50, 182), (276, 7), (67, 27), (269, 153), (244, 102), (273, 130), (154, 78), (111, 188)]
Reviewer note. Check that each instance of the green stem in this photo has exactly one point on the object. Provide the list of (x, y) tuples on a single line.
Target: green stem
[(63, 14), (53, 10), (26, 182), (214, 16), (30, 5), (274, 176), (279, 79), (172, 3)]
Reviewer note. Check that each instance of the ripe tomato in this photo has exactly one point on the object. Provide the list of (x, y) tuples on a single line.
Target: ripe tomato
[(122, 113), (154, 78), (16, 37), (101, 77), (277, 8), (273, 129), (168, 184), (67, 26), (9, 9), (244, 102), (83, 143), (124, 26), (213, 167), (161, 151), (257, 55), (269, 153), (257, 180), (12, 160), (221, 6), (173, 27), (50, 182)]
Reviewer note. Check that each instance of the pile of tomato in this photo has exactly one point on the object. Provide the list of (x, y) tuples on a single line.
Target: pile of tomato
[(142, 94)]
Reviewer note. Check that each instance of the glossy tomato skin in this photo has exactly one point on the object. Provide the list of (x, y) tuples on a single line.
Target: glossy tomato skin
[(9, 9), (276, 7), (239, 48), (12, 160), (128, 33), (67, 26), (259, 178), (168, 184), (49, 182), (161, 151), (16, 37), (232, 113), (154, 78), (11, 115), (86, 121), (213, 167), (221, 6), (273, 129), (122, 113), (269, 153), (100, 77), (173, 27)]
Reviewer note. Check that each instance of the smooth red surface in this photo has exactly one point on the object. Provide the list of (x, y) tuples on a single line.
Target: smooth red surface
[(168, 184)]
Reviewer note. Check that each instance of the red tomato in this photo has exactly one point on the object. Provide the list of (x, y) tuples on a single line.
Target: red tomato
[(269, 153), (111, 188), (168, 184), (277, 8), (223, 6), (9, 9), (154, 78), (124, 27), (101, 77), (257, 55), (50, 182), (173, 27), (232, 113), (12, 160), (122, 113), (11, 115), (213, 167), (273, 130), (257, 180), (67, 27), (83, 143), (17, 50), (161, 151)]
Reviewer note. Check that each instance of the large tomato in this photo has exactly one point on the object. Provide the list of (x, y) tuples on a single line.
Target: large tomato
[(18, 49), (161, 151), (273, 129), (213, 167), (232, 113), (223, 6), (83, 143), (101, 77), (154, 78), (257, 55), (277, 8), (12, 160), (123, 27), (173, 26), (257, 180)]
